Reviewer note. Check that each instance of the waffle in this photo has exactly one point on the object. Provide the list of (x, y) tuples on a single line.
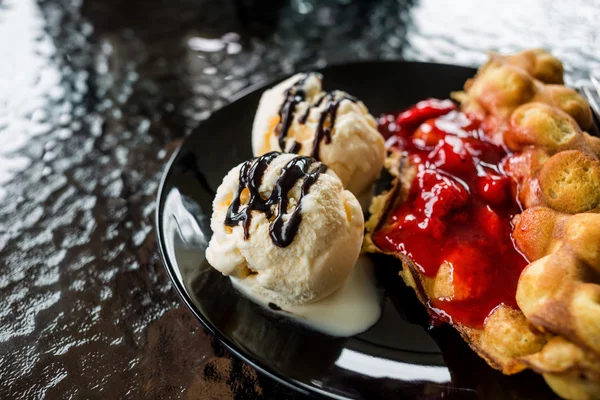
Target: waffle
[(556, 165), (506, 82), (559, 293)]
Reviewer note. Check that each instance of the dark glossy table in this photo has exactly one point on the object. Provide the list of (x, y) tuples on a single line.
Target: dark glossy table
[(94, 97)]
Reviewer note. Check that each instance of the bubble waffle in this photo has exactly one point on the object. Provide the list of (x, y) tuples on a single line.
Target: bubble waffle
[(559, 293), (507, 82), (549, 319)]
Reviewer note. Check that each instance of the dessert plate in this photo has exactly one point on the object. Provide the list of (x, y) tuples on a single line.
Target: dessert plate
[(399, 357)]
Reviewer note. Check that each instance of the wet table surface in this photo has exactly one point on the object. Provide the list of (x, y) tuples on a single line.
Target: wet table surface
[(95, 96)]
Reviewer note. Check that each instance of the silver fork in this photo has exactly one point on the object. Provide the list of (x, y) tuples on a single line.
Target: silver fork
[(592, 95)]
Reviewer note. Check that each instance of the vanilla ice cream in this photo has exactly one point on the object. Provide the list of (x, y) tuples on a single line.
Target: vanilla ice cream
[(285, 229), (296, 116)]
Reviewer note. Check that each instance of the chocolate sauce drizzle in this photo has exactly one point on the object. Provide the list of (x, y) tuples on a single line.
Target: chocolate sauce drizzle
[(334, 99), (251, 175), (294, 96), (302, 120)]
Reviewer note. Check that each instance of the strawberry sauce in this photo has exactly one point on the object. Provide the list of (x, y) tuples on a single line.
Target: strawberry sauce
[(458, 212)]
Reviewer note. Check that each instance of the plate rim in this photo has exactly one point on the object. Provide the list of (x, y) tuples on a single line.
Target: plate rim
[(287, 381)]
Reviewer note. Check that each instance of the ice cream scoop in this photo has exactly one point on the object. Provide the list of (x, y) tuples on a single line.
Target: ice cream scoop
[(297, 116), (285, 228)]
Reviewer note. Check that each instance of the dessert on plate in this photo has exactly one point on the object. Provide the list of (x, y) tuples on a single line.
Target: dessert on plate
[(289, 235), (493, 210), (285, 228), (297, 116)]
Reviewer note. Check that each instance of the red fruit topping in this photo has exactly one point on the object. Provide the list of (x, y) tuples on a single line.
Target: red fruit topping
[(457, 213), (490, 222), (457, 123), (423, 111), (493, 188), (453, 156), (387, 125), (439, 194), (468, 271), (427, 135)]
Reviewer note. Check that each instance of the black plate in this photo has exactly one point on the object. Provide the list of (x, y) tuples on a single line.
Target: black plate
[(396, 358)]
